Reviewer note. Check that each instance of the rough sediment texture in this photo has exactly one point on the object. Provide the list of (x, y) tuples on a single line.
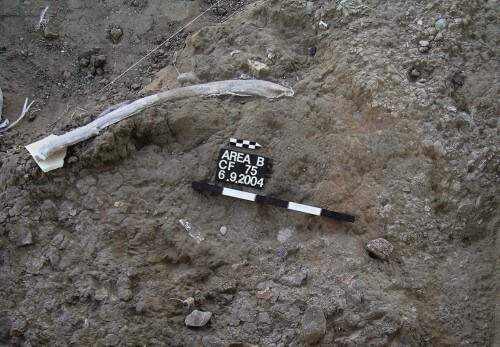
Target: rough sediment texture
[(404, 138)]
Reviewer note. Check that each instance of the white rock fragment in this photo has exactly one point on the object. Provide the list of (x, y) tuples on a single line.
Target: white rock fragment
[(380, 247), (189, 302), (223, 230), (234, 52), (257, 68), (322, 25), (192, 231), (424, 43), (264, 294), (197, 318)]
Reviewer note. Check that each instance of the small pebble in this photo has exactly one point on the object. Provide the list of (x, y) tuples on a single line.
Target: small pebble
[(264, 294), (312, 51), (26, 238), (187, 78), (380, 247), (415, 73), (424, 43), (115, 34), (313, 325), (423, 49), (309, 7), (322, 25), (197, 318), (258, 69), (438, 37), (72, 213), (223, 230), (440, 24), (135, 86), (50, 34)]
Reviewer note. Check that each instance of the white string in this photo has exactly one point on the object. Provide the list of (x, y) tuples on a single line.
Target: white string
[(156, 48)]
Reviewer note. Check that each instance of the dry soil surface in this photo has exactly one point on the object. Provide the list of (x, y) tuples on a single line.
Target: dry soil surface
[(395, 119)]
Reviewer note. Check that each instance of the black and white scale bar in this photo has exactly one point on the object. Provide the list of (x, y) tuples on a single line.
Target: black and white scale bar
[(267, 200), (244, 143)]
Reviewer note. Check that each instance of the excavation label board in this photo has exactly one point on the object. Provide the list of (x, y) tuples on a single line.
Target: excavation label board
[(241, 168)]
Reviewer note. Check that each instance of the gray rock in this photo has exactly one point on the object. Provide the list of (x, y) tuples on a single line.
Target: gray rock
[(49, 210), (309, 7), (26, 238), (49, 34), (135, 86), (115, 34), (112, 340), (187, 78), (415, 73), (296, 279), (440, 24), (424, 43), (264, 318), (197, 318), (313, 325), (380, 247), (423, 49), (438, 37)]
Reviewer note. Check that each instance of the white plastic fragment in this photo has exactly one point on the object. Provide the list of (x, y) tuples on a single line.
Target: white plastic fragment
[(55, 144), (192, 231), (55, 161), (42, 22), (5, 124)]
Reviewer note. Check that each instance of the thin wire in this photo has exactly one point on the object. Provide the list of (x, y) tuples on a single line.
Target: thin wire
[(156, 48)]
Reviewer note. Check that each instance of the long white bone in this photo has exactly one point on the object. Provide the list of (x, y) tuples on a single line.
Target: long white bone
[(49, 152)]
